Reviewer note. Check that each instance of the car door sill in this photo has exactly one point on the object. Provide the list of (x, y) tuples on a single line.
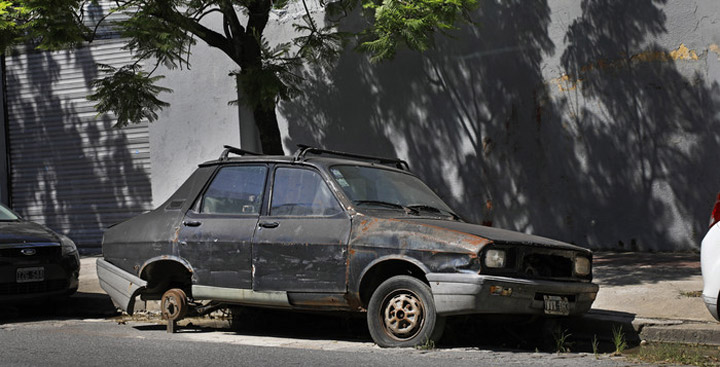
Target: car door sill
[(241, 296)]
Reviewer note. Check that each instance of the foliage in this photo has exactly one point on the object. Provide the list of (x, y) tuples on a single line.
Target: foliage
[(128, 91), (618, 339), (677, 354), (561, 337), (595, 346), (411, 22), (163, 32), (428, 345)]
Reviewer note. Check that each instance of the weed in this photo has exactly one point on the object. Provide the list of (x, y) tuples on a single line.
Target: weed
[(595, 345), (618, 339), (696, 355), (562, 345), (428, 345), (691, 294)]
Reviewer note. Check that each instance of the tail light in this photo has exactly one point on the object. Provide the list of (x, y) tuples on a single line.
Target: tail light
[(715, 217)]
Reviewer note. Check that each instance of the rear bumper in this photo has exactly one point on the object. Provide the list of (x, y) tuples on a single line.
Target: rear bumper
[(121, 286), (470, 293)]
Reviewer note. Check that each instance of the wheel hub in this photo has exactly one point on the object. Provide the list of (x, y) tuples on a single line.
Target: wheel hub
[(403, 315), (171, 307)]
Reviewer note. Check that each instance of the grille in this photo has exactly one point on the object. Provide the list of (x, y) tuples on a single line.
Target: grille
[(41, 253), (36, 287), (546, 266), (535, 262)]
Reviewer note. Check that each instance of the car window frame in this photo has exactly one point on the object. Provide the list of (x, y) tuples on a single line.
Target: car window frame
[(197, 203), (270, 186)]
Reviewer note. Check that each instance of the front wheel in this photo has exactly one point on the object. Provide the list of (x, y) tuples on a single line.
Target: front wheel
[(401, 313)]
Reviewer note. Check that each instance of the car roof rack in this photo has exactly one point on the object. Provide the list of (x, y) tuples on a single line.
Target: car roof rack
[(230, 149), (306, 149)]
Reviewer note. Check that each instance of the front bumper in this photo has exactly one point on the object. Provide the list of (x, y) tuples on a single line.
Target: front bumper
[(711, 304), (470, 293), (61, 279)]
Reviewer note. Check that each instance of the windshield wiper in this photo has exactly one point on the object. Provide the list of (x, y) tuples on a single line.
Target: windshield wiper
[(418, 207), (386, 204)]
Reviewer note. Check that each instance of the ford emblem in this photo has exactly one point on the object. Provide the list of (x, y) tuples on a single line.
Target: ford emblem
[(28, 251)]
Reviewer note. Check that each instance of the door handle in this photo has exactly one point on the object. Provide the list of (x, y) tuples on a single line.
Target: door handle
[(269, 224), (191, 223)]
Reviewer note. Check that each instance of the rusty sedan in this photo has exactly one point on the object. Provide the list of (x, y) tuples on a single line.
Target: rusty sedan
[(334, 231)]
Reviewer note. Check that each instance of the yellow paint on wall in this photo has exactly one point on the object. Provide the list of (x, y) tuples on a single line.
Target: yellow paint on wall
[(715, 48), (650, 56), (683, 53), (567, 83)]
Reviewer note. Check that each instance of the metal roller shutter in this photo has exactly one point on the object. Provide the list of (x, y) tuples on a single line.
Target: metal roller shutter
[(70, 169)]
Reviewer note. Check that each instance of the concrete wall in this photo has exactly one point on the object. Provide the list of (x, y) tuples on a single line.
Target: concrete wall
[(595, 121), (198, 122), (4, 179)]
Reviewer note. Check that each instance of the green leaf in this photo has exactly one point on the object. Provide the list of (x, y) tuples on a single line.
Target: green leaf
[(129, 93), (151, 35), (412, 23)]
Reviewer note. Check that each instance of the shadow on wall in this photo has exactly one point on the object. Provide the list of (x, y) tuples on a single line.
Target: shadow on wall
[(69, 170), (616, 159)]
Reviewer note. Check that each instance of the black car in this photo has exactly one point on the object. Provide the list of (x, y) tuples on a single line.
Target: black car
[(35, 262), (327, 230)]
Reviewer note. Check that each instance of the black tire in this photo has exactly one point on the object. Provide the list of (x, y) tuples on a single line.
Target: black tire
[(401, 313)]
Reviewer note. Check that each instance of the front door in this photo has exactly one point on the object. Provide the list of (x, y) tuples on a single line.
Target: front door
[(301, 244), (216, 234)]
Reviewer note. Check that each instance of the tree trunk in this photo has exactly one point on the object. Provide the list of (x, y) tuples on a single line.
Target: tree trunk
[(267, 124), (250, 61)]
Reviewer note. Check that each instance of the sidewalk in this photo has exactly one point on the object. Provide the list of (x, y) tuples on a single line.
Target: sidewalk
[(656, 297)]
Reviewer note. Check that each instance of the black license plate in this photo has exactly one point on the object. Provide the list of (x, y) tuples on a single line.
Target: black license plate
[(28, 275)]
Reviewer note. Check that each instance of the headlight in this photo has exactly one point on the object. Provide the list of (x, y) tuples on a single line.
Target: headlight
[(495, 259), (68, 246), (582, 266)]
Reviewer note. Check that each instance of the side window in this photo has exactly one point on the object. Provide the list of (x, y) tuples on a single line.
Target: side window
[(235, 190), (302, 192)]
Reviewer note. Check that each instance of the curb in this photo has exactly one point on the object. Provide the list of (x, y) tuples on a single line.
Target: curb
[(637, 330)]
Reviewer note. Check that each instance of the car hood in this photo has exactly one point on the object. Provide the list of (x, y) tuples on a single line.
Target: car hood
[(22, 232), (493, 234)]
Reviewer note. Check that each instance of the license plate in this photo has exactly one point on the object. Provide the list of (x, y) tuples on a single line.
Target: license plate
[(27, 275), (556, 305)]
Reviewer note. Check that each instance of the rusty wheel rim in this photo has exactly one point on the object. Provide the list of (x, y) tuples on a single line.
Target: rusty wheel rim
[(173, 305), (172, 309), (403, 315)]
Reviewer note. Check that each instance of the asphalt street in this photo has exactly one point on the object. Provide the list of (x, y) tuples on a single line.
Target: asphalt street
[(109, 343), (86, 329)]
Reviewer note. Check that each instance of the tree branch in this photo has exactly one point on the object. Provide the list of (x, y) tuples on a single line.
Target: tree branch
[(210, 37), (231, 18)]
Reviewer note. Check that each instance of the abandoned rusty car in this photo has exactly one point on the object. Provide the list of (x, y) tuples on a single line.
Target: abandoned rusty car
[(328, 230)]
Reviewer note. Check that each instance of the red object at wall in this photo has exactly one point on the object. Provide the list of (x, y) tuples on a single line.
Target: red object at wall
[(715, 217)]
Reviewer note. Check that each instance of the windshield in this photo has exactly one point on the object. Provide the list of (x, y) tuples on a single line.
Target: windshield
[(6, 214), (387, 189)]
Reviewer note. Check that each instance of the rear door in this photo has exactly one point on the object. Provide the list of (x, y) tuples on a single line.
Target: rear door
[(216, 234), (301, 243)]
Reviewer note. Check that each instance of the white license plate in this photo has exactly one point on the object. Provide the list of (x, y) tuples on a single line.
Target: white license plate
[(27, 275), (556, 305)]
